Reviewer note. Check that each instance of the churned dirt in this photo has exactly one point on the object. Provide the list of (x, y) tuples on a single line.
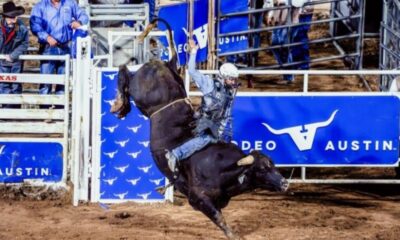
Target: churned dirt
[(309, 212), (355, 212)]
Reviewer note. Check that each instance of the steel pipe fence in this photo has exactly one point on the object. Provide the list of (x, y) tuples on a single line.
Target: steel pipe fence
[(114, 17), (354, 20), (390, 44)]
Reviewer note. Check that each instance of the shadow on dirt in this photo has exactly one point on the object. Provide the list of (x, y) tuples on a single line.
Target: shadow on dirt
[(377, 191)]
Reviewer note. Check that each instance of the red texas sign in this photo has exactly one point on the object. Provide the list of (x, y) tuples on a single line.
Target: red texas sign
[(8, 78)]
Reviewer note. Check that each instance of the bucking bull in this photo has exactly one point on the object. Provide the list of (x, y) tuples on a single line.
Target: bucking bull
[(210, 177)]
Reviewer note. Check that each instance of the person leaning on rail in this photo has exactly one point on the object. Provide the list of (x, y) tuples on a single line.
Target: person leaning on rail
[(53, 22), (13, 42), (214, 120)]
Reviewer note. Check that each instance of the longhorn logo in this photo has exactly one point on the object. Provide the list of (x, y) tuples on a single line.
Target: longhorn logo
[(135, 129), (156, 181), (144, 143), (133, 181), (111, 76), (121, 195), (145, 169), (111, 129), (122, 169), (302, 135), (110, 181), (144, 196), (134, 155), (122, 143)]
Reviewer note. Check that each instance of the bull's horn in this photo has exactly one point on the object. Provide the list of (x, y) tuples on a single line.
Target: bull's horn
[(246, 161), (146, 32)]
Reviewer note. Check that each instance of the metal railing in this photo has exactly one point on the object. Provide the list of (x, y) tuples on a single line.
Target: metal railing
[(390, 42), (140, 51), (355, 34)]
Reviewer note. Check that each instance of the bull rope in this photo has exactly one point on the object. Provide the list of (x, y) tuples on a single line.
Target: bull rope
[(290, 178), (187, 100)]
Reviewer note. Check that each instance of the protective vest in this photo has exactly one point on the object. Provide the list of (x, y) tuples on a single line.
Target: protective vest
[(215, 111), (215, 103)]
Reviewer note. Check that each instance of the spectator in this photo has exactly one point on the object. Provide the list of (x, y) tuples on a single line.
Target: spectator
[(281, 36), (53, 21), (258, 19), (13, 42), (301, 53)]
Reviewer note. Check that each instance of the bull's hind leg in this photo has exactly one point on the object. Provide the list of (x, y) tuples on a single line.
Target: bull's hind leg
[(204, 204)]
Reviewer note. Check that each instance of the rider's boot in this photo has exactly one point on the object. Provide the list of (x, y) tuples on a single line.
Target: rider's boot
[(172, 161)]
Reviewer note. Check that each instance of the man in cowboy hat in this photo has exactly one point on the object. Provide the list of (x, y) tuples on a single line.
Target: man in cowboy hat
[(13, 42)]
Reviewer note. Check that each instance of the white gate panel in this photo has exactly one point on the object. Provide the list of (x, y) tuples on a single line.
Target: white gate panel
[(32, 149)]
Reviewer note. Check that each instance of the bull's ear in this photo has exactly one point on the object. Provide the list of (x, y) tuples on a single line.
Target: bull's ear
[(246, 161)]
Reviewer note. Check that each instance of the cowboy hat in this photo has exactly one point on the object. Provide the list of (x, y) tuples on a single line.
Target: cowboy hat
[(10, 10)]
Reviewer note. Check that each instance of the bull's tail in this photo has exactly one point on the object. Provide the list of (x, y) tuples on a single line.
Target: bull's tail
[(122, 105), (171, 44)]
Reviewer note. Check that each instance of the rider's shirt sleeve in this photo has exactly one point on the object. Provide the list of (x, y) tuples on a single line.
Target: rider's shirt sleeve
[(203, 82)]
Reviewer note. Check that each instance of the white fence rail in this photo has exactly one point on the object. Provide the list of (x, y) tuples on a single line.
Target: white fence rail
[(30, 122), (303, 73)]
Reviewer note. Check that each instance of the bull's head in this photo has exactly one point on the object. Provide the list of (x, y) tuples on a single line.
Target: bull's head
[(264, 174)]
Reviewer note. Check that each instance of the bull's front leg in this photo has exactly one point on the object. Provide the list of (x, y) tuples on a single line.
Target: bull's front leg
[(203, 203)]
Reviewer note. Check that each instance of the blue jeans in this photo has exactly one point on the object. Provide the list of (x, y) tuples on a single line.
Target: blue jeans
[(300, 34), (11, 88), (256, 37), (282, 55), (193, 145), (51, 67)]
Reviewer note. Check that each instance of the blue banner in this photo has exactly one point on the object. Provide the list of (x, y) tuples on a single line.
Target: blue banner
[(233, 24), (320, 130), (128, 171), (176, 15), (31, 160), (232, 6)]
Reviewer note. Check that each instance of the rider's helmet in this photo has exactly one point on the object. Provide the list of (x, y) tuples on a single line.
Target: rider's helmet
[(228, 71)]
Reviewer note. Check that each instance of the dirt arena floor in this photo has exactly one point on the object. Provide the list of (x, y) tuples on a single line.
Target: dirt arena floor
[(312, 212), (309, 212)]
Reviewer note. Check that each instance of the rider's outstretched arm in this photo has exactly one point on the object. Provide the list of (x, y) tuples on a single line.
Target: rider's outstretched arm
[(203, 82)]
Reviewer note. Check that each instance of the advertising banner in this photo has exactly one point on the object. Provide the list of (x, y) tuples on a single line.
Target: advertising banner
[(233, 24), (21, 161), (177, 17), (320, 130)]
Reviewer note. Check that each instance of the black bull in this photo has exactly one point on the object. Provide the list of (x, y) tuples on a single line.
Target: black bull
[(210, 177)]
